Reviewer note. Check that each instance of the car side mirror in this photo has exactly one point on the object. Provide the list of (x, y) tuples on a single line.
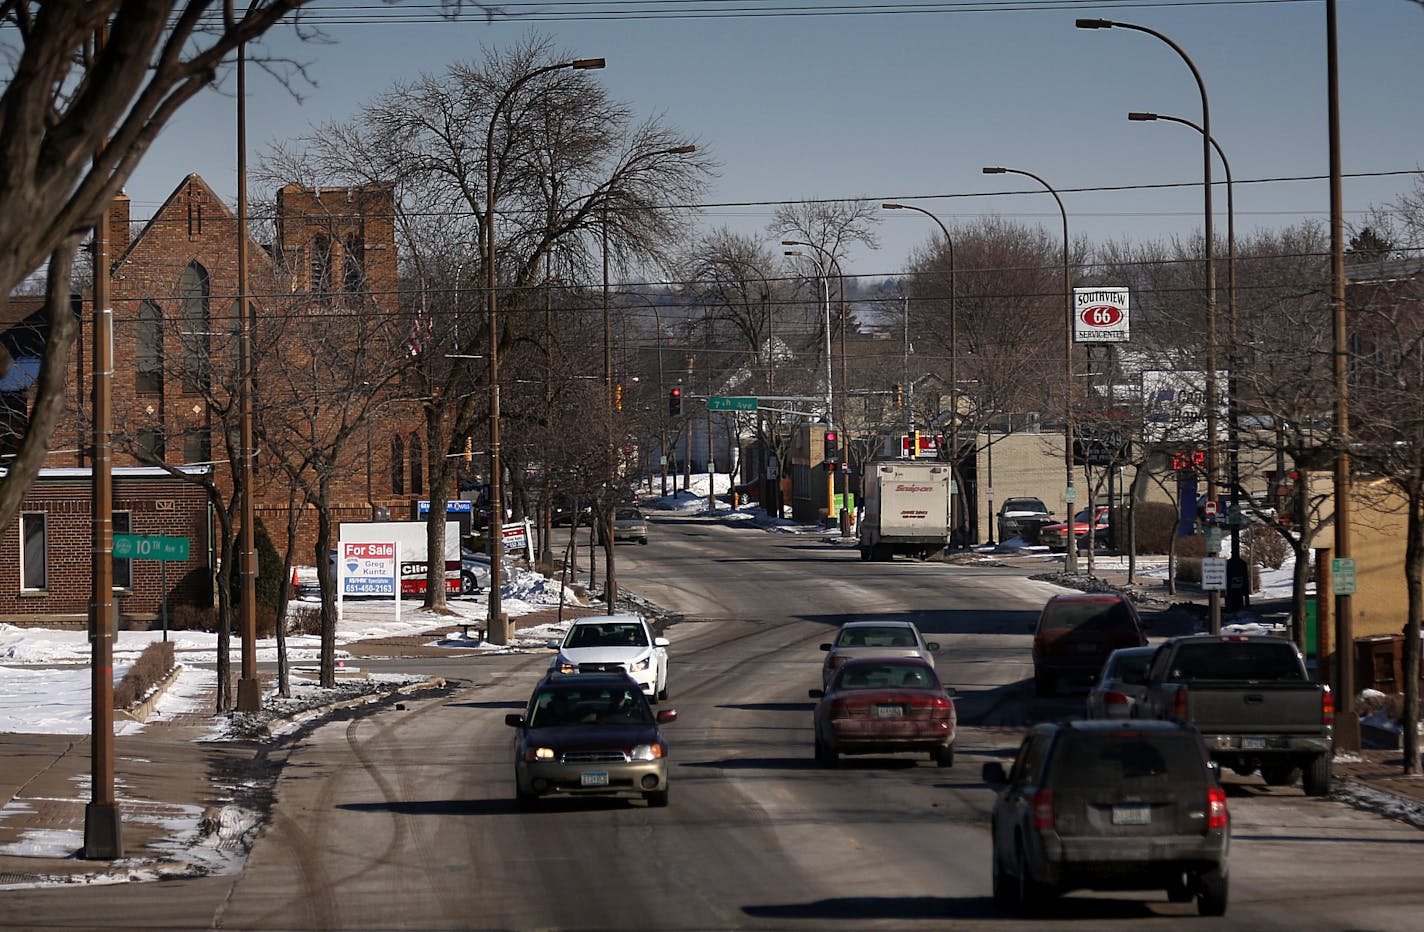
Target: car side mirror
[(667, 715), (994, 775), (552, 645), (661, 642), (514, 720), (951, 692), (816, 693), (825, 647), (932, 646)]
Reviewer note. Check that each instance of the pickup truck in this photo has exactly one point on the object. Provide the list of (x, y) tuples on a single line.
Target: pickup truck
[(1253, 702)]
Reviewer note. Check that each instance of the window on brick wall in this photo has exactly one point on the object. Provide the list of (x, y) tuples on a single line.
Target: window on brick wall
[(34, 548), (321, 265), (123, 569), (148, 350), (417, 465), (193, 288), (397, 466), (198, 446), (353, 265), (150, 444)]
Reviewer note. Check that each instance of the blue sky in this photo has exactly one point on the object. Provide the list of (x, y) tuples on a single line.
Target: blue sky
[(911, 105)]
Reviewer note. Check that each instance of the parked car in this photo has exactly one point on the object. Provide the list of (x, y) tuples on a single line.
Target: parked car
[(1056, 535), (629, 524), (884, 706), (475, 570), (590, 734), (562, 513), (1022, 518), (1121, 686), (1075, 633), (1109, 806), (875, 639), (615, 644)]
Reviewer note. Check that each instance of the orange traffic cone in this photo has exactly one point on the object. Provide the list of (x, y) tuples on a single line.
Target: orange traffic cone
[(296, 584)]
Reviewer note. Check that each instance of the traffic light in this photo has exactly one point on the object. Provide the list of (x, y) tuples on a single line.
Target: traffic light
[(832, 446), (899, 397), (469, 450), (675, 403), (618, 396)]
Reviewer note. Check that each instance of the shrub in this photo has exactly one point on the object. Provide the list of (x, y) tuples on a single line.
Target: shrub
[(1156, 523), (270, 579), (1188, 570), (186, 616), (304, 619), (151, 667), (1267, 546)]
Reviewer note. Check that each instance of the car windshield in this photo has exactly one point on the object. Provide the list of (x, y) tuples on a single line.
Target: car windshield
[(627, 514), (1132, 668), (1094, 761), (1091, 615), (886, 676), (557, 707), (613, 634), (872, 636), (1025, 504)]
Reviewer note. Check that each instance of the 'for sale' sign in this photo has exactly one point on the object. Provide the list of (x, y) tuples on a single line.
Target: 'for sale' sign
[(1100, 315), (368, 568)]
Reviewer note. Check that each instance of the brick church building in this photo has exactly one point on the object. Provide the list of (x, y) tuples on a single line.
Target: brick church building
[(173, 287)]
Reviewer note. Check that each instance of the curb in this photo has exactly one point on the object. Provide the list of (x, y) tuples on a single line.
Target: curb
[(141, 710)]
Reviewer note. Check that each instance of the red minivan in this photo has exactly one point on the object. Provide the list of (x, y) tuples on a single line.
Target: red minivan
[(1075, 633)]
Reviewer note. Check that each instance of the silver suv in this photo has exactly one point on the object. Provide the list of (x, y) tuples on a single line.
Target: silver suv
[(1104, 805)]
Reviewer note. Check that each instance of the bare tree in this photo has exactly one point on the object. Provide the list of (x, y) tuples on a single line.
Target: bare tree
[(89, 86)]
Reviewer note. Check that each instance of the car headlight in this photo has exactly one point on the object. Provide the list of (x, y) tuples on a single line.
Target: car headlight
[(533, 754), (563, 665), (648, 752), (640, 665)]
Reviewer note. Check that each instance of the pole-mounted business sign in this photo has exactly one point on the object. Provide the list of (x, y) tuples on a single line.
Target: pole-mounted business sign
[(1100, 315)]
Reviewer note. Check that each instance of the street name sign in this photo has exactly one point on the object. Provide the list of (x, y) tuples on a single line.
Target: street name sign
[(150, 547), (731, 403)]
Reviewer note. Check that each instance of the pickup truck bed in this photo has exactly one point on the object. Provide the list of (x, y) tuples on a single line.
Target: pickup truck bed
[(1252, 701)]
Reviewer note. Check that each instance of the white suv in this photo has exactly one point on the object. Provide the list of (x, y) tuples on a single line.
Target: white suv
[(615, 643)]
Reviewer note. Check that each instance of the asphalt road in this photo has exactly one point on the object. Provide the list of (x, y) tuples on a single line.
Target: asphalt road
[(406, 819)]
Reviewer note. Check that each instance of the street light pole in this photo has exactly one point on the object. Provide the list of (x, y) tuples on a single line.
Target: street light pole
[(957, 520), (1070, 554), (1210, 248), (1233, 414), (498, 625)]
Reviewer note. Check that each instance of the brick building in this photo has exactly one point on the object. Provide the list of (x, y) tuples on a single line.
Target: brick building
[(45, 555), (174, 289)]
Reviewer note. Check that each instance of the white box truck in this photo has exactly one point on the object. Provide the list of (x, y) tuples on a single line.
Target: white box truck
[(907, 509), (411, 537)]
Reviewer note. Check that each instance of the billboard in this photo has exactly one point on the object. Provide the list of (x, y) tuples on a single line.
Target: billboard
[(1100, 315), (1174, 405)]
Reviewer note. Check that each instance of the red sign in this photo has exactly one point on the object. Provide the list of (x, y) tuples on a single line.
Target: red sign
[(929, 445), (1209, 508), (1102, 315)]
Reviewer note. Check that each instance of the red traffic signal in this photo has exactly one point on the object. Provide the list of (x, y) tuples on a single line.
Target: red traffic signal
[(675, 402), (832, 445)]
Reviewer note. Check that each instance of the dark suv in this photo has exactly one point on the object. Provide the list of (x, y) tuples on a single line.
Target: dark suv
[(1076, 632), (1110, 806)]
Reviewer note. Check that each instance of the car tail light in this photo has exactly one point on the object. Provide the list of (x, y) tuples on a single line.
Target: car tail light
[(938, 707), (1114, 698), (1043, 810), (1179, 705), (1327, 706), (1216, 816)]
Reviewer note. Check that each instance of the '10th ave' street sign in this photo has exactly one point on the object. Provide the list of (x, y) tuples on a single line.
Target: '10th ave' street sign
[(150, 547)]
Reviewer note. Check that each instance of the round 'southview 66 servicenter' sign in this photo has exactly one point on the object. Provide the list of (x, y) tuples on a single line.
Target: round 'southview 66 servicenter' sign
[(1100, 315)]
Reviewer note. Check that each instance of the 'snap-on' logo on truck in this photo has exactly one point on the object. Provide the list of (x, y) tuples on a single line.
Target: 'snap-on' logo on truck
[(914, 488)]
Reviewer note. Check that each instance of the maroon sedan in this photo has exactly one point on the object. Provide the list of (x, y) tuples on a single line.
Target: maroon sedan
[(884, 705)]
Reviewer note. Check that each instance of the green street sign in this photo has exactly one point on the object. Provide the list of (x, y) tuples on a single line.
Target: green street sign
[(150, 547), (731, 403), (1342, 575)]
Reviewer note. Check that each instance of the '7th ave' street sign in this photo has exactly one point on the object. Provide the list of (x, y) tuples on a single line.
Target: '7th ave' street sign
[(150, 547), (731, 403)]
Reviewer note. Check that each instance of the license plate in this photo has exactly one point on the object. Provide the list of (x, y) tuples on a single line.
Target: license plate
[(1131, 815), (1253, 744), (889, 711), (593, 778)]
